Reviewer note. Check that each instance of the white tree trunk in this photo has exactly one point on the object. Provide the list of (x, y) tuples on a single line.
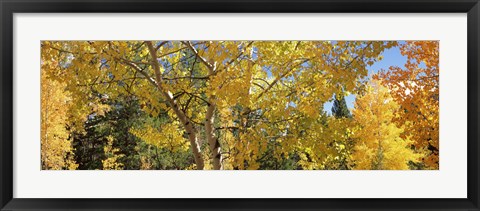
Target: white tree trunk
[(212, 139), (190, 130), (213, 142)]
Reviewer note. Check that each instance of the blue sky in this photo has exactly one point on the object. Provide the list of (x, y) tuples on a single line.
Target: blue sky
[(391, 57)]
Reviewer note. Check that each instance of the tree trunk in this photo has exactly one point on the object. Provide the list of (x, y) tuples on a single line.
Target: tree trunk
[(212, 139), (190, 130), (209, 117)]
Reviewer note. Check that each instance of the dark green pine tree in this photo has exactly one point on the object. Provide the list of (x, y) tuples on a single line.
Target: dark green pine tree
[(340, 109)]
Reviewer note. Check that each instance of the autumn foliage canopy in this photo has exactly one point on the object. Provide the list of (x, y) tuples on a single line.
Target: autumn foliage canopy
[(238, 105)]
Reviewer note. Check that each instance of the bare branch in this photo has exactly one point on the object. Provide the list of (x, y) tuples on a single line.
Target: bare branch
[(160, 45), (203, 60), (140, 70)]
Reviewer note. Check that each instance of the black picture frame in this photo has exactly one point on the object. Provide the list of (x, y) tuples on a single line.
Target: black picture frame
[(9, 7)]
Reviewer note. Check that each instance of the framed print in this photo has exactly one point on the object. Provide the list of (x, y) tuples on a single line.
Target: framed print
[(260, 105)]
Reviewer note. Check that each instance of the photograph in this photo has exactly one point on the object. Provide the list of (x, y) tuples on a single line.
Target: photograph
[(239, 104)]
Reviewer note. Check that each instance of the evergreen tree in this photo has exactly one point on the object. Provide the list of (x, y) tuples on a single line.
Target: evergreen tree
[(342, 146), (339, 108)]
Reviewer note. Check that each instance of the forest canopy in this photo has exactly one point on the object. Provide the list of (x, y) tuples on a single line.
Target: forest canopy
[(238, 105)]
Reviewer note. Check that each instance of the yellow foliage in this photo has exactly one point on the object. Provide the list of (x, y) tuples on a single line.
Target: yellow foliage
[(263, 93), (378, 142), (56, 147), (168, 135), (112, 156), (416, 88)]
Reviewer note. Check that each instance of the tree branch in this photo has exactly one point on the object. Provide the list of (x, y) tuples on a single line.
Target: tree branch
[(280, 77), (160, 45), (140, 70), (190, 130), (211, 67)]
